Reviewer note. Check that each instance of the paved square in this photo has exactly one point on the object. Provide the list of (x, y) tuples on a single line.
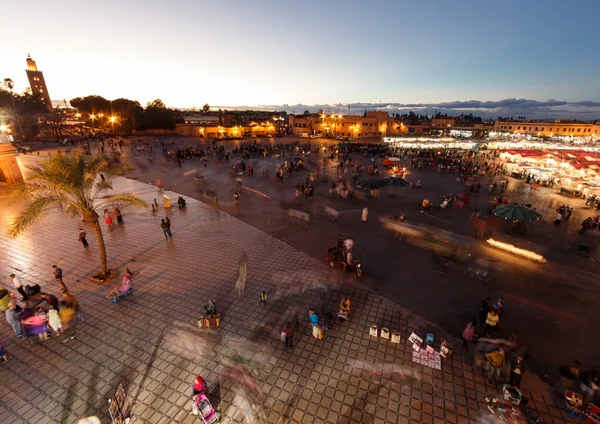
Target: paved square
[(150, 343)]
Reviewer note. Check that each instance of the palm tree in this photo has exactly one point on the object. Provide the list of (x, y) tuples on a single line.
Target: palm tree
[(74, 183)]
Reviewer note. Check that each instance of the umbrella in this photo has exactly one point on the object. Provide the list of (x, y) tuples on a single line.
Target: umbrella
[(373, 183), (395, 181), (393, 159), (516, 213)]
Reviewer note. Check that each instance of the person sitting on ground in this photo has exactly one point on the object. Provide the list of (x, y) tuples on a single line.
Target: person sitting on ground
[(345, 304), (211, 308), (199, 386)]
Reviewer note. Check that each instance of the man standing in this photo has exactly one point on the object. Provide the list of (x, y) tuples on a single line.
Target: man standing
[(82, 235), (168, 221), (495, 363), (289, 336), (12, 317), (18, 286), (59, 278), (517, 369)]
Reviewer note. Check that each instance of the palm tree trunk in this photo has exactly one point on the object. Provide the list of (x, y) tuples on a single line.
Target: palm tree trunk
[(101, 247)]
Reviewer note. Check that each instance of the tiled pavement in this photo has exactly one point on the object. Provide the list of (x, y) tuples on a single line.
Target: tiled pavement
[(148, 341)]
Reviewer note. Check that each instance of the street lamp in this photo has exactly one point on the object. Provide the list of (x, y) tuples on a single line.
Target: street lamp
[(112, 121)]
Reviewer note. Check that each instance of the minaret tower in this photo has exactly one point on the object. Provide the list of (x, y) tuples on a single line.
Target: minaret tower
[(37, 83)]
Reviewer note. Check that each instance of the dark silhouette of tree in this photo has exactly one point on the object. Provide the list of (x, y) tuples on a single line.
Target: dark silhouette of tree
[(157, 116), (206, 108), (128, 112), (91, 105), (306, 113)]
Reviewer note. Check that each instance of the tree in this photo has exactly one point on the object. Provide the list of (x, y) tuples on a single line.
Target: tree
[(157, 116), (128, 112), (71, 183), (206, 108), (91, 104), (306, 113)]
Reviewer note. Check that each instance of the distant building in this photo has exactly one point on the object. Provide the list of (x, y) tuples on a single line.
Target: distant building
[(559, 129), (374, 124), (37, 83)]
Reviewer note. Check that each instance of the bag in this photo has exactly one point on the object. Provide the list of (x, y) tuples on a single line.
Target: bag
[(283, 336), (317, 332)]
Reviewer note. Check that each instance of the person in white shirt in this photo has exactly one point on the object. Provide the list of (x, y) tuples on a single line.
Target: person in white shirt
[(18, 286)]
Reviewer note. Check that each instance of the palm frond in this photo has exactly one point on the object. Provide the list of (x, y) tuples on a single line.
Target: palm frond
[(33, 212), (127, 199)]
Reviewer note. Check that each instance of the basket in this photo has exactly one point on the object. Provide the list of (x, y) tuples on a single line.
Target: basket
[(512, 394)]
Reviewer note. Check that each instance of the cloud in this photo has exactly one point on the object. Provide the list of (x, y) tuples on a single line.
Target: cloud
[(547, 109)]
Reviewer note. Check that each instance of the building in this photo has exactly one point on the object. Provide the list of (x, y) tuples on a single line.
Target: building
[(374, 124), (10, 173), (559, 129), (37, 83)]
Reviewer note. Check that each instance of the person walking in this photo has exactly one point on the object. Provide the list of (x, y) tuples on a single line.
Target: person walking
[(240, 284), (313, 318), (58, 276), (469, 334), (496, 361), (486, 307), (12, 317), (19, 286), (236, 198), (107, 218), (288, 334), (517, 369), (118, 215), (82, 237), (558, 218), (165, 228)]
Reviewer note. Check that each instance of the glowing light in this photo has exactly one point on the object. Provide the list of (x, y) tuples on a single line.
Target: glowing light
[(113, 119), (3, 128), (516, 250)]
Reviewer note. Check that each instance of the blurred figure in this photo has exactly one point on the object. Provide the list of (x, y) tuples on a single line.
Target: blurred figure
[(82, 237), (240, 284)]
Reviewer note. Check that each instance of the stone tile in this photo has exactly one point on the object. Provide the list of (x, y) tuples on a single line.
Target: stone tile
[(150, 341)]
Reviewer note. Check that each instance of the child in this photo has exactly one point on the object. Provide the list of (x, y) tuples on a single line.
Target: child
[(54, 320), (263, 298), (3, 354)]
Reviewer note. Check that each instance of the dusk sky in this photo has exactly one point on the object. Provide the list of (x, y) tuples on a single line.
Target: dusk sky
[(265, 52)]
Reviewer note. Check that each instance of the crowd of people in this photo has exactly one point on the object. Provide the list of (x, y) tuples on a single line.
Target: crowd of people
[(38, 312)]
